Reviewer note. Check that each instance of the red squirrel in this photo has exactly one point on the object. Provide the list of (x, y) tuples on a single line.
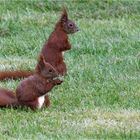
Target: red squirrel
[(53, 49), (31, 91)]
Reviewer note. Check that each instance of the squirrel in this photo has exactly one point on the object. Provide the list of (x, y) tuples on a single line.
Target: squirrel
[(53, 49), (32, 91)]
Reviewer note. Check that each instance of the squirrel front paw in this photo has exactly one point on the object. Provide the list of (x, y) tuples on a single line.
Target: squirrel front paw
[(58, 82)]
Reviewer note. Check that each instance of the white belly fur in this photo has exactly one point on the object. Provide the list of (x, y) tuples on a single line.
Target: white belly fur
[(63, 53), (41, 101)]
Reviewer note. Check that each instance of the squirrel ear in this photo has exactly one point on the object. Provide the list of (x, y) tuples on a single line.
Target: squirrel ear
[(40, 64), (64, 16), (41, 60)]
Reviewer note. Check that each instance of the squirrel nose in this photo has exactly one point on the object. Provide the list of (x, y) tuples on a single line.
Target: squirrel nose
[(77, 29)]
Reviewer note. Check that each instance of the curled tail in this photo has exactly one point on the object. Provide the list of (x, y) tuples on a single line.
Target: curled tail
[(14, 74), (8, 98)]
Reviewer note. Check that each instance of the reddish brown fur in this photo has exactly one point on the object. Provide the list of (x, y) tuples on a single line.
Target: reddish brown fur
[(7, 98), (33, 87), (14, 74), (53, 48)]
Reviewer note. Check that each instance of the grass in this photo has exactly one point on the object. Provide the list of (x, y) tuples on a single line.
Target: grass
[(100, 98)]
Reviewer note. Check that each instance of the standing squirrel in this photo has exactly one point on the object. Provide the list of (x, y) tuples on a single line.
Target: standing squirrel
[(31, 92), (53, 49)]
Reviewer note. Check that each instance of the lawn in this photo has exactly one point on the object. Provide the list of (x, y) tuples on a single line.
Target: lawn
[(100, 98)]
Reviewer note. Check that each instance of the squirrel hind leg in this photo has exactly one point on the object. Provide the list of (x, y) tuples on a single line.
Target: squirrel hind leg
[(47, 101), (31, 104)]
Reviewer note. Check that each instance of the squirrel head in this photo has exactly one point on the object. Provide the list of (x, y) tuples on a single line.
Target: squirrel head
[(68, 25), (45, 69)]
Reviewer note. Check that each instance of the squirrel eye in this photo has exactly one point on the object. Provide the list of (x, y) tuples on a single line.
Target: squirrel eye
[(50, 70), (71, 25)]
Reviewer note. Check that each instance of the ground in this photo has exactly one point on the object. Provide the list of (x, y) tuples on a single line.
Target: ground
[(100, 98)]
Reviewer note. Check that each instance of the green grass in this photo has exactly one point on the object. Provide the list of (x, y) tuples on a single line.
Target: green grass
[(100, 98)]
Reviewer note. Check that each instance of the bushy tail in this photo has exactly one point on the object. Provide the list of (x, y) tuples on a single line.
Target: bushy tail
[(14, 74), (8, 98)]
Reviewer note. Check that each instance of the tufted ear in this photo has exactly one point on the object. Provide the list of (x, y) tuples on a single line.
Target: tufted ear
[(41, 64), (64, 16)]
